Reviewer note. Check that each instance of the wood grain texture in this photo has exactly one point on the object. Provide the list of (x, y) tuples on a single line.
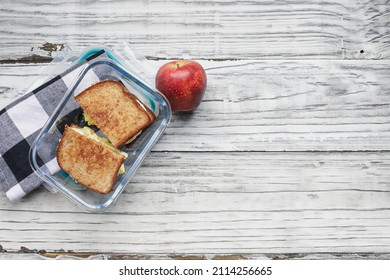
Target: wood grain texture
[(272, 106), (221, 203), (15, 80), (288, 106), (286, 158), (61, 255), (200, 29)]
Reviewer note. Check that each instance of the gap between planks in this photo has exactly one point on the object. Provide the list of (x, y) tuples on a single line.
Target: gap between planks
[(28, 254)]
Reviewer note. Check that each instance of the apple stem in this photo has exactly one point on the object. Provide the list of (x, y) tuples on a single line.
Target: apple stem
[(178, 65)]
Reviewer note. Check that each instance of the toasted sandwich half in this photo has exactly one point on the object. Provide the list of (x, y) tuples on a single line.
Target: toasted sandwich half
[(89, 159), (119, 114)]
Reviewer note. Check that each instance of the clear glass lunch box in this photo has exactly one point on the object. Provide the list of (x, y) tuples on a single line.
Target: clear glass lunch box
[(108, 67)]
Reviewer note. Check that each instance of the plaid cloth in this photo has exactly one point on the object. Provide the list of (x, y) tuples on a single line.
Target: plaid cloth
[(21, 122)]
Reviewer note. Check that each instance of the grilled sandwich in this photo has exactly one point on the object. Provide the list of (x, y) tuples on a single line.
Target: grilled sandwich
[(89, 159), (119, 114)]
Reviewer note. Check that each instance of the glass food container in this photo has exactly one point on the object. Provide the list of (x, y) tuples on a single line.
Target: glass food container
[(68, 112)]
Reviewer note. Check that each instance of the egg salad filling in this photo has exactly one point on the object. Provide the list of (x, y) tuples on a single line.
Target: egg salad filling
[(88, 119)]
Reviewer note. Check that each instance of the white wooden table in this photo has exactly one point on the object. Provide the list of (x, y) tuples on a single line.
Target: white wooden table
[(287, 157)]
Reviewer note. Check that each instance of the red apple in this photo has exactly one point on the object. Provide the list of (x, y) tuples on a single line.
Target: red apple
[(183, 82)]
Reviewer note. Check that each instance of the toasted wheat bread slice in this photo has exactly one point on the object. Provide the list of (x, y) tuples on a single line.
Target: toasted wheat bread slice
[(118, 113), (87, 161)]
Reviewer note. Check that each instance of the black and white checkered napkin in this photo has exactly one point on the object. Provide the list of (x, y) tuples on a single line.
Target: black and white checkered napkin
[(21, 122)]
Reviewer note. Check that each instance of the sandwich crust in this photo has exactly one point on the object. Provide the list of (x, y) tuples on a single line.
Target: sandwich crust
[(87, 161), (118, 113)]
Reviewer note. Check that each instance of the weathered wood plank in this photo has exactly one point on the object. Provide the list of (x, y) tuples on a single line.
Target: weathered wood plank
[(289, 105), (96, 256), (206, 191), (271, 106), (221, 203), (15, 80), (200, 29)]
